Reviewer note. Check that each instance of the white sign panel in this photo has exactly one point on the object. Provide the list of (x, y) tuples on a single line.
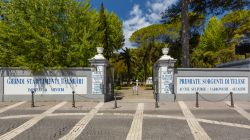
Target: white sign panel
[(212, 85), (165, 80), (44, 85)]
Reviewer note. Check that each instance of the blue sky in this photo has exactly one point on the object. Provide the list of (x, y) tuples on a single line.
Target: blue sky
[(135, 14)]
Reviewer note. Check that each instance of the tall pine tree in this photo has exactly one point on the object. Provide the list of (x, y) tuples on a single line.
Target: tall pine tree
[(105, 33), (111, 35)]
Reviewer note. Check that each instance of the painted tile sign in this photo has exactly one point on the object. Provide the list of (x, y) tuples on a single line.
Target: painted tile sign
[(44, 85), (212, 85), (97, 80), (166, 80)]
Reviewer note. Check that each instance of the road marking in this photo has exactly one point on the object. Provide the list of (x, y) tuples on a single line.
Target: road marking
[(11, 106), (197, 131), (72, 114), (11, 134), (164, 116), (130, 115), (240, 110), (67, 114), (199, 120), (135, 132), (123, 114), (224, 123), (50, 115), (18, 116), (79, 127)]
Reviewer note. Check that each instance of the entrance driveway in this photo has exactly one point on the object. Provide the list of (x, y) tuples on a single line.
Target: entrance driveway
[(135, 118)]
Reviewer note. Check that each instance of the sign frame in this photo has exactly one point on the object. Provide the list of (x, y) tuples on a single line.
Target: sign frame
[(224, 84), (58, 88)]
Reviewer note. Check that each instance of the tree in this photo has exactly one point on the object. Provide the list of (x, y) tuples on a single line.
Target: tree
[(151, 39), (39, 34), (213, 48), (112, 36), (104, 29), (237, 25), (185, 34), (205, 7), (126, 56)]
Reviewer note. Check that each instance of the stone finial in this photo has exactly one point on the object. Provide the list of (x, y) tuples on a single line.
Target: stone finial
[(99, 50), (165, 51), (99, 56), (165, 56)]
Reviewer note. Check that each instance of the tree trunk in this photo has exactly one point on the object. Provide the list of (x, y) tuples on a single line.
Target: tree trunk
[(185, 34)]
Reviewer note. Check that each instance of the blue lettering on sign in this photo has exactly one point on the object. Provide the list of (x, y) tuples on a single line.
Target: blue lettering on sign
[(15, 81), (72, 81), (57, 89), (45, 81), (211, 81), (37, 89), (189, 81)]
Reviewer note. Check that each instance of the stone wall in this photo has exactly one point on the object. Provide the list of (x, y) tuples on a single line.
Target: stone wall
[(208, 72), (70, 72)]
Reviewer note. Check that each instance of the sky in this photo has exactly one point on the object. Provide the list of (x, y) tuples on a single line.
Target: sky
[(135, 14)]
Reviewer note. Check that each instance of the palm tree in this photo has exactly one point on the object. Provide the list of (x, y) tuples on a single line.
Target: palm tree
[(126, 55)]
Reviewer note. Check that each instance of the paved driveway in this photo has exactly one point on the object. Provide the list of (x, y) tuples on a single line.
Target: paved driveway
[(131, 120)]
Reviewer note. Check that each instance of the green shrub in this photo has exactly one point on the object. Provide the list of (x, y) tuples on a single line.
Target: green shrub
[(117, 87)]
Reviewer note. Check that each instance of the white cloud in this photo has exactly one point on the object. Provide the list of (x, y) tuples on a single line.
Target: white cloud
[(139, 19), (156, 7), (136, 21)]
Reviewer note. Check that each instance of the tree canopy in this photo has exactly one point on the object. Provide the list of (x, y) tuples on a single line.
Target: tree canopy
[(38, 34), (111, 36), (215, 28), (217, 44), (203, 7)]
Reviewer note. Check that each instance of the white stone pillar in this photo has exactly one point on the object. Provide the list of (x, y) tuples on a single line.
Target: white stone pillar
[(165, 74), (99, 64)]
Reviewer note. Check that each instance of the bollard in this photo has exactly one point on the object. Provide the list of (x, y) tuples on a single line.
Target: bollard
[(232, 99), (73, 99), (197, 100), (174, 97), (156, 100), (32, 99), (115, 104), (173, 92)]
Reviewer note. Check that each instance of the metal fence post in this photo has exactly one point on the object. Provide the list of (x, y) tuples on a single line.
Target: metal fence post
[(115, 105), (137, 90), (73, 99), (197, 100), (156, 100), (32, 99), (232, 99)]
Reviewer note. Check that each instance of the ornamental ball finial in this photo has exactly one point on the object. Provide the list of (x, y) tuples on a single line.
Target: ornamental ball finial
[(165, 51), (99, 50)]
